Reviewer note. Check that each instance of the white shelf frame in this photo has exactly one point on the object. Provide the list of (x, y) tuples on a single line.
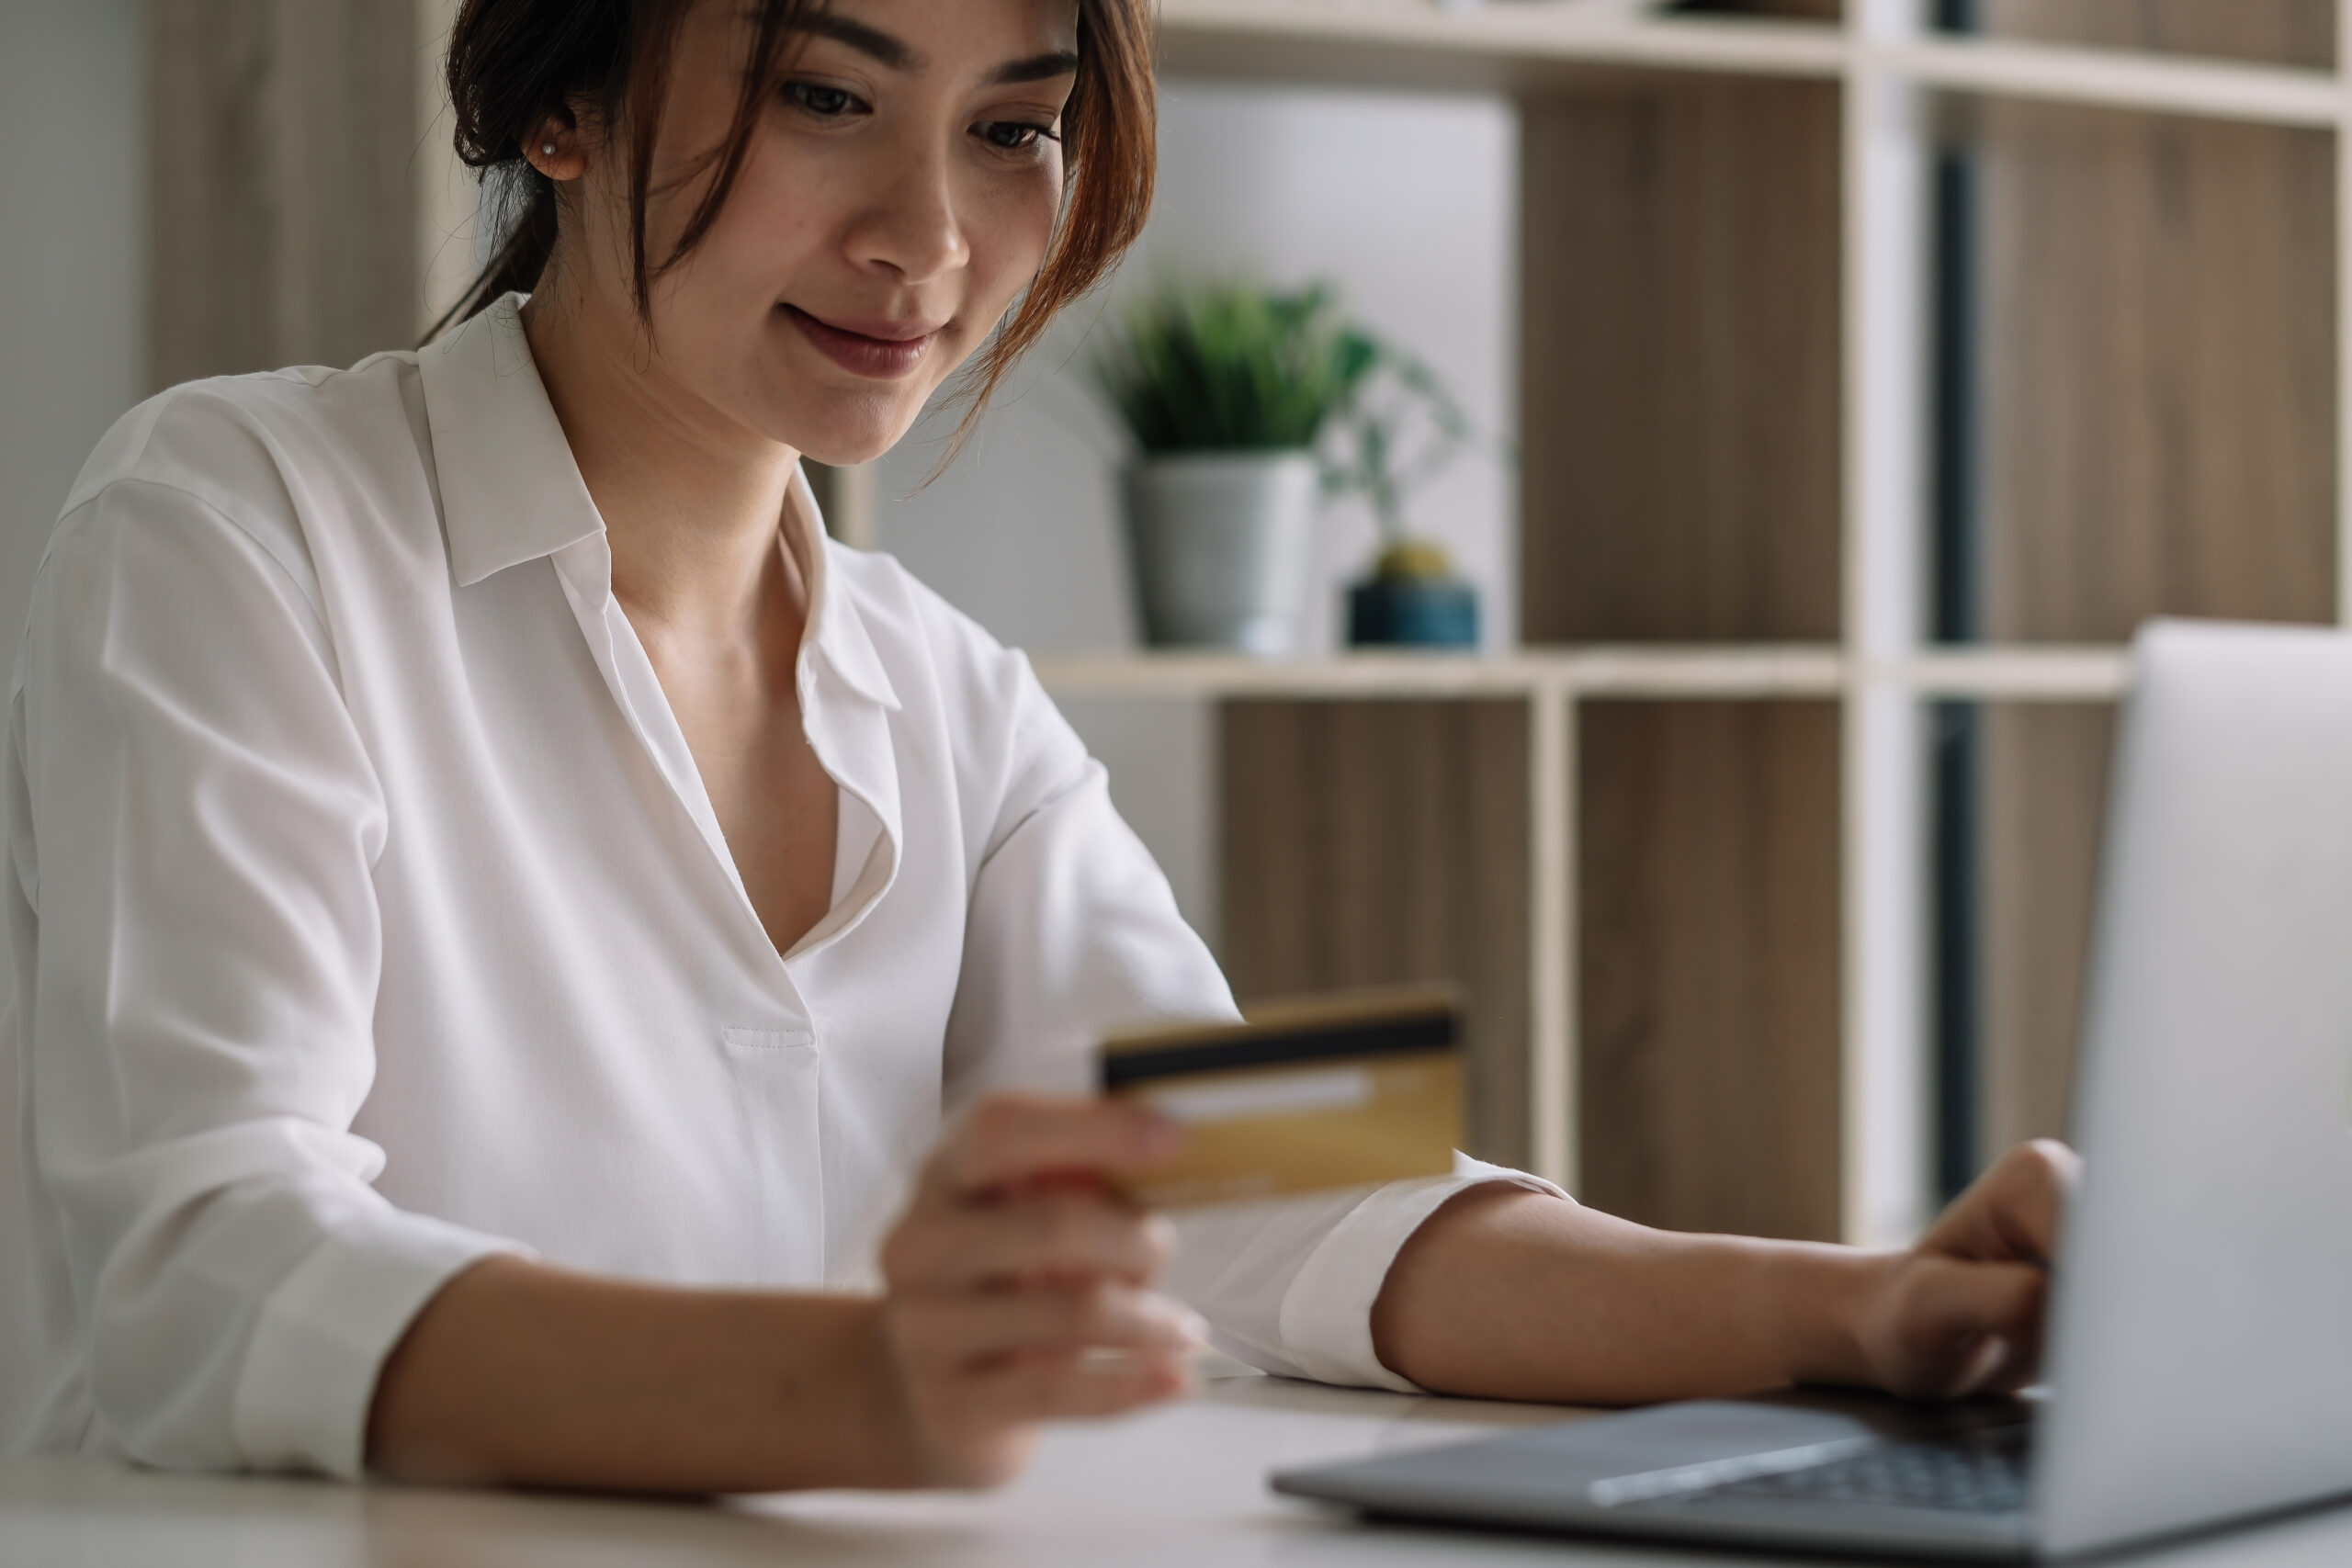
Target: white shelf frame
[(2344, 320), (1588, 673), (1519, 43), (1885, 1113), (1881, 673)]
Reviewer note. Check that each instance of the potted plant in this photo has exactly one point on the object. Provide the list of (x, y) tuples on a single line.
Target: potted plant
[(1399, 428), (1226, 390), (1248, 405)]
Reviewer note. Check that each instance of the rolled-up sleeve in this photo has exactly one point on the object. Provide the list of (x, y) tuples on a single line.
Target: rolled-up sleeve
[(1073, 930), (196, 820)]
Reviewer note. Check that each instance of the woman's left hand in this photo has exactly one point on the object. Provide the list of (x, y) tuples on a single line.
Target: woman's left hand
[(1961, 1312)]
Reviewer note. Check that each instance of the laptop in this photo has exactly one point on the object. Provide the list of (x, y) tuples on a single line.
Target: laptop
[(2199, 1357)]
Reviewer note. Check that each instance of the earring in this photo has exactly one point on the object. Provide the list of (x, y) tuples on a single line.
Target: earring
[(547, 149)]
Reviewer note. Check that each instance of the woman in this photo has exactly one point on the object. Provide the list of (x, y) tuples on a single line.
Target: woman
[(501, 906)]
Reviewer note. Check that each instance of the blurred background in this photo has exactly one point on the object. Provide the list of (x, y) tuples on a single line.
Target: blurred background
[(1844, 382)]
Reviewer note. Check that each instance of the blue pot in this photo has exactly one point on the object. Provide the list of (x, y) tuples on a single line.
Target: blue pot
[(1413, 612)]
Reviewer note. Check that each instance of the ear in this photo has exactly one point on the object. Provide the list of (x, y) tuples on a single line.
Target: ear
[(556, 148)]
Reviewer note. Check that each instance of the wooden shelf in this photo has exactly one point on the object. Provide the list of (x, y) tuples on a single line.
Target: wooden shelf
[(2020, 675), (1622, 672), (1677, 849), (1529, 47), (1512, 48), (2016, 674), (2267, 95), (1405, 782)]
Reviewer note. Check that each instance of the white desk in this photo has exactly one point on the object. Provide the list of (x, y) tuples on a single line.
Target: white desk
[(1180, 1486)]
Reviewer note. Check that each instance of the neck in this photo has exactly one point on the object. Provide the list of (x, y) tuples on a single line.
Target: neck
[(692, 500)]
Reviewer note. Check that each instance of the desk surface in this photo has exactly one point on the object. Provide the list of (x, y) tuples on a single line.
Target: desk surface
[(1183, 1486)]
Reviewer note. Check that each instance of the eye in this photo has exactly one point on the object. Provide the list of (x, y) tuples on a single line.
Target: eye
[(822, 102), (1013, 135)]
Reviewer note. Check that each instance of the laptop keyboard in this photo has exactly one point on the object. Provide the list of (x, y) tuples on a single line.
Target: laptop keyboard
[(1984, 1473)]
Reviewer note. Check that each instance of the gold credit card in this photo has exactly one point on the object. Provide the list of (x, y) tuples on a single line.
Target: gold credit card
[(1322, 1092)]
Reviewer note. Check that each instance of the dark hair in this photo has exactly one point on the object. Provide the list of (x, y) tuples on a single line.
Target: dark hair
[(513, 63)]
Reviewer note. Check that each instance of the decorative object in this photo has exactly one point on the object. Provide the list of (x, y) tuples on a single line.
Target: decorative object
[(1228, 389), (1399, 429), (1222, 543), (1412, 598), (1239, 397)]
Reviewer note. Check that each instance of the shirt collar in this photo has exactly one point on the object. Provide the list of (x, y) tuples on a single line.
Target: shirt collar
[(835, 628), (511, 491)]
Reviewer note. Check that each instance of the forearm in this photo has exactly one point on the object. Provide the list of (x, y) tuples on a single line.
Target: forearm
[(520, 1374), (1505, 1293)]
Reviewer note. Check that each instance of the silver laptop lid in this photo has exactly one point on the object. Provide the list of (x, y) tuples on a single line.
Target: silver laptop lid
[(2203, 1327)]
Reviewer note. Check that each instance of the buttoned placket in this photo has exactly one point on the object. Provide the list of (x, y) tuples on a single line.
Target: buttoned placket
[(777, 1060), (513, 497)]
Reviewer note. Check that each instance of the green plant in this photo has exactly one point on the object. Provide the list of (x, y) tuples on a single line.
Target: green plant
[(1399, 429), (1236, 368), (1229, 368)]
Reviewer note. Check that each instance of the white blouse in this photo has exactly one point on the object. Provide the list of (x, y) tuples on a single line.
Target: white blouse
[(368, 915)]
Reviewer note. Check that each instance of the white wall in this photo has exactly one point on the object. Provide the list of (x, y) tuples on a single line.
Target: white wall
[(1408, 204), (72, 279), (72, 263)]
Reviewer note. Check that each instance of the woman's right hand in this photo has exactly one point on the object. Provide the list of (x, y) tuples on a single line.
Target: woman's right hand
[(1019, 1285)]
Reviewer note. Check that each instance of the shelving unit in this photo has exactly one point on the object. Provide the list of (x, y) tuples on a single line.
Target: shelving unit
[(1704, 798), (1518, 45), (1832, 525), (1554, 685)]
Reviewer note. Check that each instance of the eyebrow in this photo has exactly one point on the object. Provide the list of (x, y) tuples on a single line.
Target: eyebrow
[(1036, 68), (899, 55), (872, 42)]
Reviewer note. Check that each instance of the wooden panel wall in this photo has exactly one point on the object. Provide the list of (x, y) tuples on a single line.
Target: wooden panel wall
[(1681, 369), (2045, 773), (2159, 384), (1680, 390), (1367, 844), (2276, 32), (284, 186), (1709, 996), (2159, 371)]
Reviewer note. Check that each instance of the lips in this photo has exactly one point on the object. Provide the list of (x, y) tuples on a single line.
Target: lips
[(882, 351)]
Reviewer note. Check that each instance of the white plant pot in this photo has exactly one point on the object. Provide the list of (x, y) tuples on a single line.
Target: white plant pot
[(1221, 543)]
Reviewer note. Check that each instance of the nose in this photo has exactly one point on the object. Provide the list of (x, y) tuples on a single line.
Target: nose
[(910, 231)]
